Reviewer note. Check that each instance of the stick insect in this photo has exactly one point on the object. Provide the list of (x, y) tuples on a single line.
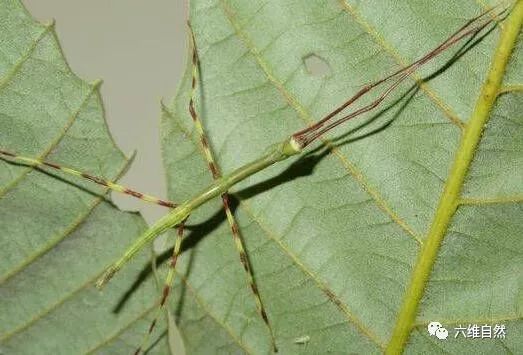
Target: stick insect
[(293, 145)]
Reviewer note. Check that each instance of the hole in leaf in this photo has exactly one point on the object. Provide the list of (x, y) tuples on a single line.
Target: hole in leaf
[(316, 65)]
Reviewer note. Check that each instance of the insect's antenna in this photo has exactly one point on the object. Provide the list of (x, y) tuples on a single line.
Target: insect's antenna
[(311, 133), (168, 284), (98, 180), (213, 167)]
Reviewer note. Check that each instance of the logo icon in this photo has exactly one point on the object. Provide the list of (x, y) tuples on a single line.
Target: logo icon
[(442, 333), (435, 328)]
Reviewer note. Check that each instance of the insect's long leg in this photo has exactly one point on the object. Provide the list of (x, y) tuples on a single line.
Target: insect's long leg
[(98, 180), (168, 284), (309, 134), (213, 167)]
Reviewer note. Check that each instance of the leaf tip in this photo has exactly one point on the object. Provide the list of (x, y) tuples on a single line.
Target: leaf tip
[(50, 26)]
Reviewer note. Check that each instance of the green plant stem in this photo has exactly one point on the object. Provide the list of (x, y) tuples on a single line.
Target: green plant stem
[(450, 198), (274, 154)]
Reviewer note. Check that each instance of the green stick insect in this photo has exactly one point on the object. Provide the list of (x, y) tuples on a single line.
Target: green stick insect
[(293, 145)]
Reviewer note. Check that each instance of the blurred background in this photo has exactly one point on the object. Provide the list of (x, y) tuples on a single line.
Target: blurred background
[(138, 48)]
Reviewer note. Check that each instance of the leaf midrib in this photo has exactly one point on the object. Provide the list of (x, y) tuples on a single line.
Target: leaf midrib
[(449, 201)]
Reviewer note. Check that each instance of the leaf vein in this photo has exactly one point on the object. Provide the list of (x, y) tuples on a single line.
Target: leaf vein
[(453, 117), (24, 57), (343, 307), (305, 116), (68, 124), (44, 250)]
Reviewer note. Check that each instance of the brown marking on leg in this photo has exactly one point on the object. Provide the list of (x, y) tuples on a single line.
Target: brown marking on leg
[(333, 297), (235, 230), (191, 110), (133, 193), (94, 179), (205, 144), (166, 204), (213, 169), (51, 165), (166, 291), (225, 200)]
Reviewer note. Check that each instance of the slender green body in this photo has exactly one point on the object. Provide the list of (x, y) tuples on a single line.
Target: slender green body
[(274, 154)]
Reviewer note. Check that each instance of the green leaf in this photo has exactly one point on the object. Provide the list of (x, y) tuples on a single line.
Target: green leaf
[(334, 237), (338, 238), (58, 233)]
